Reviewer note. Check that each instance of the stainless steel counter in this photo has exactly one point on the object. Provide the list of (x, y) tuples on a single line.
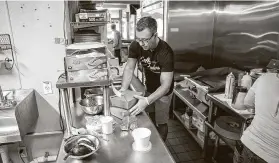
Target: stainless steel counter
[(119, 148), (13, 122), (225, 106)]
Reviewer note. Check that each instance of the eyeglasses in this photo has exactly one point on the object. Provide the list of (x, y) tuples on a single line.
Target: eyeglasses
[(145, 40)]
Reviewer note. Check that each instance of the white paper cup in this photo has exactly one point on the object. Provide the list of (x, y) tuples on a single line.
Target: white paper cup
[(107, 125), (141, 137)]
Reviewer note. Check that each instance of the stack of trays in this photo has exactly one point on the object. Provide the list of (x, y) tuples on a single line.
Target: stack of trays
[(85, 48), (90, 65), (87, 36)]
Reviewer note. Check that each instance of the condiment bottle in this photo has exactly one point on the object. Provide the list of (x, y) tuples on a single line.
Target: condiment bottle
[(246, 81), (230, 82)]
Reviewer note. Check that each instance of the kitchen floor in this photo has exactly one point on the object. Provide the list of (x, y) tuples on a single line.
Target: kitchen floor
[(182, 146)]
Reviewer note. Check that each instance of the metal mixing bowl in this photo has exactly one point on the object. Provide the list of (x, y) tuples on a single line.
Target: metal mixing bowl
[(92, 105), (73, 141)]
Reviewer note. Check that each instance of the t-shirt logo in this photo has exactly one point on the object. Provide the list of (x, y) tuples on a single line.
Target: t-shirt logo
[(151, 65)]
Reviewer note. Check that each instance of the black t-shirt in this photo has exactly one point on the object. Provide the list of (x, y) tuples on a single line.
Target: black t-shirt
[(154, 62)]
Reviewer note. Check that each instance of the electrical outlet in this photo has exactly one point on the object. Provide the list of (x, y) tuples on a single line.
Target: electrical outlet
[(22, 152), (57, 40), (47, 86), (61, 41)]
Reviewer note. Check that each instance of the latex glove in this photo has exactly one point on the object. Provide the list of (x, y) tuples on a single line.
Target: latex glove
[(122, 90), (140, 106)]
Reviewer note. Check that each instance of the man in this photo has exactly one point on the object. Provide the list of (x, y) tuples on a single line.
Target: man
[(261, 139), (117, 43), (157, 58)]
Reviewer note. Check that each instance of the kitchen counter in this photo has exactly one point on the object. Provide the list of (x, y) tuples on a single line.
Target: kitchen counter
[(15, 122), (119, 147)]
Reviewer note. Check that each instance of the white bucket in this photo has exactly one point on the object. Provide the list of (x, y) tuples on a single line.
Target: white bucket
[(141, 137)]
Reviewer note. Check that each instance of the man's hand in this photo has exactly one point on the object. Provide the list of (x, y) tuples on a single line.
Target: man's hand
[(140, 106), (122, 91)]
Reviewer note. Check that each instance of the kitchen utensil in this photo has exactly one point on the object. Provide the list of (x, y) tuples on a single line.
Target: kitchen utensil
[(78, 146), (87, 143), (88, 146), (68, 154), (93, 105), (74, 149)]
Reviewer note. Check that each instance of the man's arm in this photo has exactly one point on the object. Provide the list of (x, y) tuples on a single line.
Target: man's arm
[(128, 73), (249, 100), (166, 81)]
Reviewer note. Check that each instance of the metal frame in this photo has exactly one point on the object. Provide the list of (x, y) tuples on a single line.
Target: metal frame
[(212, 115)]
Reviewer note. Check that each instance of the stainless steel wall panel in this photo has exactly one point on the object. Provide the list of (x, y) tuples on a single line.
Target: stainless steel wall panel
[(190, 30), (246, 33)]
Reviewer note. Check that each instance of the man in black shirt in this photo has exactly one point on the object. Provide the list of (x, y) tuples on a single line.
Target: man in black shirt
[(157, 58)]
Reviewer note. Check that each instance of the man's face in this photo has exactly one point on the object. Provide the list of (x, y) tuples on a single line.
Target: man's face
[(146, 39)]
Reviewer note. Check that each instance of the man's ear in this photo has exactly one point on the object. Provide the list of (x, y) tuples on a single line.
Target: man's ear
[(156, 34)]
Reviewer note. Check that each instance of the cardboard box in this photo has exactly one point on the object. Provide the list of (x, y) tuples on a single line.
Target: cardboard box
[(118, 112), (92, 17), (126, 101)]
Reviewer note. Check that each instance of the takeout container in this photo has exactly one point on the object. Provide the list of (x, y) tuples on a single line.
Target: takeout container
[(141, 137), (126, 101)]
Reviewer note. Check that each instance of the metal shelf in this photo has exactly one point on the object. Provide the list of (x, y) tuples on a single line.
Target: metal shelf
[(87, 24), (62, 83), (189, 101), (193, 132)]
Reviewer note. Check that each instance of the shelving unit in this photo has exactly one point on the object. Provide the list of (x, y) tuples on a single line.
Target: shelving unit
[(195, 105), (192, 132), (63, 85), (185, 96)]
